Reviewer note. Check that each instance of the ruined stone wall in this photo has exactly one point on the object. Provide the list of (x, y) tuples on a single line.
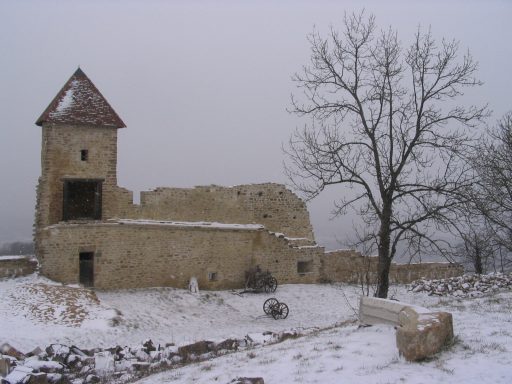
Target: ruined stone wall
[(342, 266), (143, 255), (271, 205), (350, 266), (407, 273), (13, 266)]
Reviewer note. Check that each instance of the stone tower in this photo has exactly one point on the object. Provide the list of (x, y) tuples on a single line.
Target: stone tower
[(78, 157)]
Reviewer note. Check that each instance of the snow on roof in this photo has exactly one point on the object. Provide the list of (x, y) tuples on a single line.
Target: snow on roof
[(80, 102)]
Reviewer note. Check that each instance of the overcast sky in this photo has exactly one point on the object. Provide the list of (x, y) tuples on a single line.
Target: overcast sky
[(203, 86)]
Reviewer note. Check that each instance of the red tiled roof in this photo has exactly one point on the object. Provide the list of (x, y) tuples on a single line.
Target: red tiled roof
[(80, 102)]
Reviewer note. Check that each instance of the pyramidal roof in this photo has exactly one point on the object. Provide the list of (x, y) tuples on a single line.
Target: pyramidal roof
[(80, 102)]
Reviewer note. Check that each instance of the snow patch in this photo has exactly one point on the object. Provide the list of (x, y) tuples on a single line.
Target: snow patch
[(67, 101)]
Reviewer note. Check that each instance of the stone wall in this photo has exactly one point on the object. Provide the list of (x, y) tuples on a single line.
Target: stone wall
[(131, 254), (350, 266), (272, 205), (13, 266)]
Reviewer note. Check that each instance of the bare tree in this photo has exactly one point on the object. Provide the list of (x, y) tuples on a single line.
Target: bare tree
[(383, 123), (477, 248), (492, 194)]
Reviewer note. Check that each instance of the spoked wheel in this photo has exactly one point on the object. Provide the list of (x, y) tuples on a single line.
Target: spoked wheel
[(280, 311), (258, 285), (269, 304), (271, 285)]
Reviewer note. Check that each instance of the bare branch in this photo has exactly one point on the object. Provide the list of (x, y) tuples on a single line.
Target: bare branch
[(385, 124)]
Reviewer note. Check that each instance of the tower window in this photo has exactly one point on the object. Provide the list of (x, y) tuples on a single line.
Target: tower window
[(82, 200), (84, 154)]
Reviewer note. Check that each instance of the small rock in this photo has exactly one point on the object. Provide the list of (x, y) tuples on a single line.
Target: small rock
[(104, 363), (58, 352), (228, 344), (77, 351), (199, 348), (9, 350), (44, 366), (55, 378), (35, 352), (140, 366), (248, 380), (37, 378), (5, 366), (418, 288), (18, 375), (92, 379)]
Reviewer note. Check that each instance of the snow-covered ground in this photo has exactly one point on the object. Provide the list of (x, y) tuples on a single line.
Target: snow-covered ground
[(37, 312)]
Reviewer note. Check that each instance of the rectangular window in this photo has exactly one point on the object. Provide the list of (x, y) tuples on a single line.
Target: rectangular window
[(212, 276), (84, 154), (82, 200), (304, 267)]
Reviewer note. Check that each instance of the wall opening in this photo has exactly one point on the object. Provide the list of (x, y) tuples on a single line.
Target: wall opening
[(84, 155), (82, 200), (212, 276), (304, 267), (86, 269)]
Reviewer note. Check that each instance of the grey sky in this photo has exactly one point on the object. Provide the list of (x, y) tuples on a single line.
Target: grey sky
[(203, 86)]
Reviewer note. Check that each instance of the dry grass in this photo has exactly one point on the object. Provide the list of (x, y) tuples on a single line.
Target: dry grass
[(55, 304)]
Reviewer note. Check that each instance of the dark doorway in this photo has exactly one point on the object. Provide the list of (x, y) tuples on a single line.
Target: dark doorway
[(82, 200), (87, 269)]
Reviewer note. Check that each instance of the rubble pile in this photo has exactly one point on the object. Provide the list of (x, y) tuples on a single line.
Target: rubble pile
[(62, 364), (470, 285)]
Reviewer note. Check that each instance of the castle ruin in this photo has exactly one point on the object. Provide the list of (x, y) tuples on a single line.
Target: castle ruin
[(88, 230)]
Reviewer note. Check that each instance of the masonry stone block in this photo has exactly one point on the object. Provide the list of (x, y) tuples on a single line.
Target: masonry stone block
[(420, 333), (423, 335)]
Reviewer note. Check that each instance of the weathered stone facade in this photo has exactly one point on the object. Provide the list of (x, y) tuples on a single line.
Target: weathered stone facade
[(88, 230), (143, 254)]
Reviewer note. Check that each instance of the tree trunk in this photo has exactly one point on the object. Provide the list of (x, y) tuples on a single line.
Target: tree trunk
[(477, 262), (384, 256)]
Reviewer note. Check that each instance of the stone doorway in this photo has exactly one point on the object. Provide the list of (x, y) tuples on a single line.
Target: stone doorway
[(86, 266)]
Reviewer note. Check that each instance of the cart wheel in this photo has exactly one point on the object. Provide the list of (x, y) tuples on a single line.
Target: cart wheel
[(269, 304), (259, 285), (271, 285), (280, 312)]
